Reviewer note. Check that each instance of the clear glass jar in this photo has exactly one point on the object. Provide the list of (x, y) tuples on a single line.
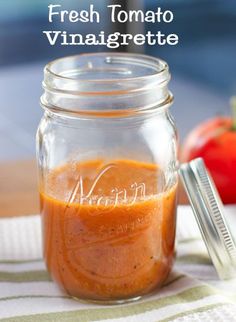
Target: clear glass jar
[(107, 160)]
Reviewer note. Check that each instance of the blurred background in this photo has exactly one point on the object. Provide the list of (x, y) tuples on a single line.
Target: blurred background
[(203, 65)]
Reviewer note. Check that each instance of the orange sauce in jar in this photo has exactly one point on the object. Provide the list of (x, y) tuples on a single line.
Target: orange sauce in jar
[(109, 233)]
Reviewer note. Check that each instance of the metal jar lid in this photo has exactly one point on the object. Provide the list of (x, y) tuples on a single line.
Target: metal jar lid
[(209, 213)]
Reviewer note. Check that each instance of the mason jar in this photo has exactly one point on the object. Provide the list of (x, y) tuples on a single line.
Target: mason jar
[(107, 162)]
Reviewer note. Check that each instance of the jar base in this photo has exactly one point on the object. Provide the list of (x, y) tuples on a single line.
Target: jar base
[(107, 302)]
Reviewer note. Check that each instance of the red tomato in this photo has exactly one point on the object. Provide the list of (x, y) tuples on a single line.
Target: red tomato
[(215, 142)]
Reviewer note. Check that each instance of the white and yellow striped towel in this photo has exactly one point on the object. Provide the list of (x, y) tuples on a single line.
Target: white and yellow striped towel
[(192, 292)]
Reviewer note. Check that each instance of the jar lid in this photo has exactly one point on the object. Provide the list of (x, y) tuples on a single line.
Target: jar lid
[(209, 213)]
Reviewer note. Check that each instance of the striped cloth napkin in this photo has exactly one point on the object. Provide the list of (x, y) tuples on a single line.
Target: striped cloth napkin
[(192, 292)]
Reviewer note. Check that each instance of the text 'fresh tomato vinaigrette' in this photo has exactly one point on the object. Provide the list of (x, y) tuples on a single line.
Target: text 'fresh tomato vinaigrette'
[(109, 233)]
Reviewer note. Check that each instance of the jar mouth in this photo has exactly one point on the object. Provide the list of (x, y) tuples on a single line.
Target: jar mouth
[(120, 78), (110, 67)]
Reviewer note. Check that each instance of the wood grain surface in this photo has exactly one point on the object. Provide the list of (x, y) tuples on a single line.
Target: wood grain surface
[(18, 188)]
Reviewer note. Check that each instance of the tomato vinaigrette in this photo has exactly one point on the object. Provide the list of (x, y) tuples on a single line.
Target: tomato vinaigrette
[(109, 229)]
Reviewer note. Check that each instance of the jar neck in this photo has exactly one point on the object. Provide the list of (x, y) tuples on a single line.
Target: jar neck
[(106, 85)]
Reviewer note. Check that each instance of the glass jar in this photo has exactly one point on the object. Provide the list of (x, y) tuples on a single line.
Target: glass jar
[(107, 160)]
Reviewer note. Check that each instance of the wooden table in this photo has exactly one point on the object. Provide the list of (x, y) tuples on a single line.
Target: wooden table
[(18, 189)]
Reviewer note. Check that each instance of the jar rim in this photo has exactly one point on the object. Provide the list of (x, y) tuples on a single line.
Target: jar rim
[(106, 83), (110, 57)]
